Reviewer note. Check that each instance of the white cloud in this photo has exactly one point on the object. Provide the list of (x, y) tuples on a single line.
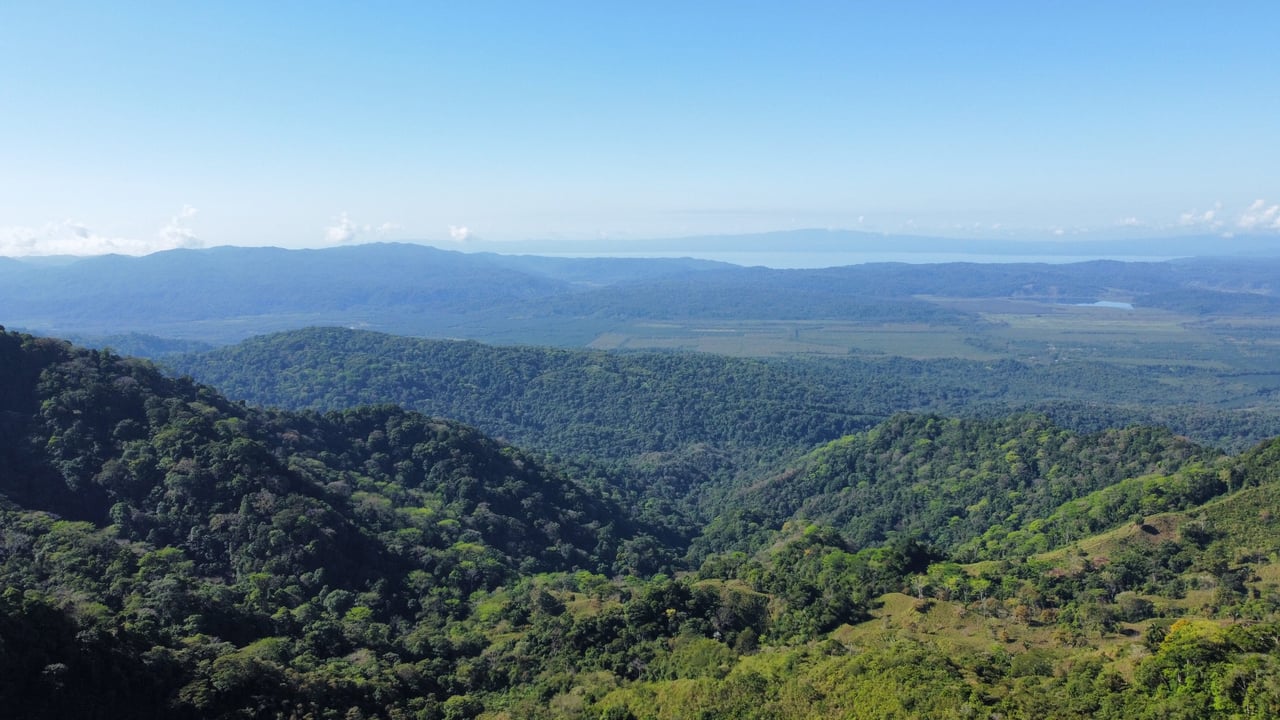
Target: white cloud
[(1260, 216), (341, 233), (344, 231), (1207, 218), (72, 237), (459, 233), (178, 234), (1130, 222)]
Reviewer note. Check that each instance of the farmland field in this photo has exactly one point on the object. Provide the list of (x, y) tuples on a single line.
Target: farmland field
[(1021, 330)]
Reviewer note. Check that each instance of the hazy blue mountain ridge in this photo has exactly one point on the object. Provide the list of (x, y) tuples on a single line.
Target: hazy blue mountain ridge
[(225, 294)]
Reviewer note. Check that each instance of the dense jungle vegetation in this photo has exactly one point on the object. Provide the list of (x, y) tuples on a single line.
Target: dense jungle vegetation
[(615, 405), (167, 552)]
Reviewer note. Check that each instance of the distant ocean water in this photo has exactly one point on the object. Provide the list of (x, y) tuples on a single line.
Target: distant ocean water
[(796, 260)]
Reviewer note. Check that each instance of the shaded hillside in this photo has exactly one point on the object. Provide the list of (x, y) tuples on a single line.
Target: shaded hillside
[(185, 514), (94, 436)]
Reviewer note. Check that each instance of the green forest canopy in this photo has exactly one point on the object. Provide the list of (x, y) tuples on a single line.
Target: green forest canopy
[(171, 553)]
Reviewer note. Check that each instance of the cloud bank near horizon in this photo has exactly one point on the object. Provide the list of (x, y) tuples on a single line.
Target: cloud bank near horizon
[(72, 237), (345, 232), (1261, 217)]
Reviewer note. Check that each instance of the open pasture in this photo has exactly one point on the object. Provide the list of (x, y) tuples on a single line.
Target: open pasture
[(1028, 331)]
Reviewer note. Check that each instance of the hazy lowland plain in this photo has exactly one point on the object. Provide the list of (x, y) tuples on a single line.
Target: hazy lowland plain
[(394, 481)]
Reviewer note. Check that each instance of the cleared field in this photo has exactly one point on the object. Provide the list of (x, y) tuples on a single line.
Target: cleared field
[(781, 338), (1004, 328)]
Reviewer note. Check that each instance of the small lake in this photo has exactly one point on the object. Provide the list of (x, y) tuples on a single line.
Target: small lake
[(1108, 304)]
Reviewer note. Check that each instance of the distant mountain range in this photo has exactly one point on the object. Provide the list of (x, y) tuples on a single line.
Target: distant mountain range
[(813, 240), (226, 294)]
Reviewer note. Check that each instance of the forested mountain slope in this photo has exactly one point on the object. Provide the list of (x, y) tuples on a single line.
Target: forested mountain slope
[(166, 552), (946, 481), (608, 404), (613, 405), (170, 518), (94, 436)]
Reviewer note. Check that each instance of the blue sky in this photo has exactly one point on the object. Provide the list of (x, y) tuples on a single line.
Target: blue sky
[(139, 126)]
